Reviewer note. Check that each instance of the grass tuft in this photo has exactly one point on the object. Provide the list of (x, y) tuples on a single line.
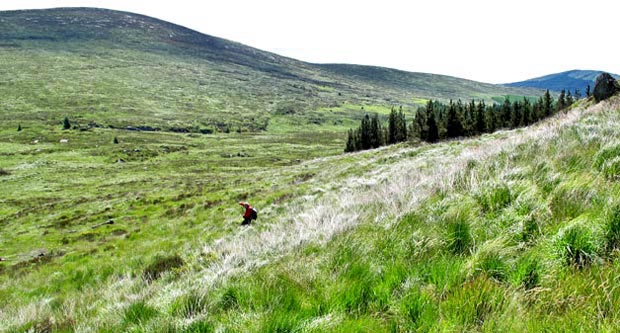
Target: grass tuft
[(160, 265), (139, 313), (189, 305), (458, 237), (578, 244), (612, 229)]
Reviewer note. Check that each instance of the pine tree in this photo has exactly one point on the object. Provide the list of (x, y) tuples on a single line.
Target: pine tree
[(392, 127), (365, 140), (561, 101), (528, 117), (506, 112), (480, 126), (19, 127), (420, 121), (401, 121), (569, 99), (66, 124), (455, 124), (376, 133), (432, 134), (548, 104), (588, 91), (516, 119)]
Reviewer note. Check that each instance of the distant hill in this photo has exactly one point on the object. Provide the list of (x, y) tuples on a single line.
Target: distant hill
[(569, 80), (123, 69)]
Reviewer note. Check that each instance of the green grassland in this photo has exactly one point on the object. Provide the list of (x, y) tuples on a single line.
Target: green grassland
[(511, 231), (514, 231)]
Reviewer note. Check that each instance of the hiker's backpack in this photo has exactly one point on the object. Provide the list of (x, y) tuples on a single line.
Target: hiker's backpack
[(254, 214)]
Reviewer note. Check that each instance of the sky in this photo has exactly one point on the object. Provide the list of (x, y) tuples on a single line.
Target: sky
[(490, 41)]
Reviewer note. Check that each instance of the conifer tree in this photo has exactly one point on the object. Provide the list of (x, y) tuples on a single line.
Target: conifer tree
[(548, 104), (432, 134), (454, 126), (506, 113), (479, 114), (420, 123), (569, 99), (561, 101), (365, 140), (66, 124), (528, 118), (401, 121), (392, 127), (588, 93), (376, 133)]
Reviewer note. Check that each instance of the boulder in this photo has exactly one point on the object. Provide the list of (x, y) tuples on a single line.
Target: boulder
[(605, 86)]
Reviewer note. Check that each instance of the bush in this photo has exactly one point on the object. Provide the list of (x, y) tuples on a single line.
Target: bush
[(4, 172), (161, 265)]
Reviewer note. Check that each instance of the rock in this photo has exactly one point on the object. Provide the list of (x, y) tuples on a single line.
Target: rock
[(605, 87), (64, 141)]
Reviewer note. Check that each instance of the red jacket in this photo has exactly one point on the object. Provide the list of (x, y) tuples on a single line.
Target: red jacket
[(248, 210)]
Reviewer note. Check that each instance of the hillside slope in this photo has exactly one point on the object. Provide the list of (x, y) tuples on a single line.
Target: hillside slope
[(109, 68), (569, 80), (514, 231)]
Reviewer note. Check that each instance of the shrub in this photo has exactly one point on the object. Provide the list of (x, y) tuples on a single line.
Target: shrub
[(160, 265), (4, 172), (66, 124)]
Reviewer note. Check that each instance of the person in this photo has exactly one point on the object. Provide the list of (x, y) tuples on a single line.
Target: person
[(247, 215)]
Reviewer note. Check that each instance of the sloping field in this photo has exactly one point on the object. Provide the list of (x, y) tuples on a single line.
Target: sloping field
[(512, 231)]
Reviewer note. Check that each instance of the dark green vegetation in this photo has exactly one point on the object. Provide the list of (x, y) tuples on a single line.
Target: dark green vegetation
[(437, 121), (575, 80)]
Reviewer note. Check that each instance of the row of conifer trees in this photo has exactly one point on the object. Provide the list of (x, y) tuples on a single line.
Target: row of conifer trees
[(437, 121)]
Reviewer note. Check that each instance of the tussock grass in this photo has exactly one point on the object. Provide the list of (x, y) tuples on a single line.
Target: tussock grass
[(579, 243)]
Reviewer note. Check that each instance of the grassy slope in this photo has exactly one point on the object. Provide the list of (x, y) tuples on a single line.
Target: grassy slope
[(176, 193), (123, 69), (468, 235)]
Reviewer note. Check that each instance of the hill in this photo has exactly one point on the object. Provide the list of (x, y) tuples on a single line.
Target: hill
[(109, 68), (569, 80), (129, 221)]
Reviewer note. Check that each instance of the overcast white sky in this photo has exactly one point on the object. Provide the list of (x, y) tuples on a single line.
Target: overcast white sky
[(491, 41)]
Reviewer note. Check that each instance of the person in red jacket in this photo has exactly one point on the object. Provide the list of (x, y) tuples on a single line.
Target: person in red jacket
[(247, 215)]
